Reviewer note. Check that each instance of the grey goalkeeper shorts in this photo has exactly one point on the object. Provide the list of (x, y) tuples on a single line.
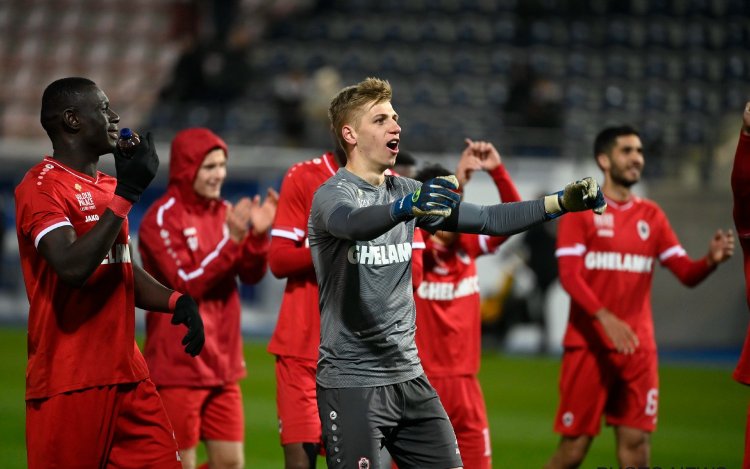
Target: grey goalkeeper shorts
[(407, 418)]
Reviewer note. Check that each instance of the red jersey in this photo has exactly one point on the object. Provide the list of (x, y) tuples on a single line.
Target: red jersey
[(77, 337), (185, 244), (448, 315), (607, 261), (297, 331), (741, 192)]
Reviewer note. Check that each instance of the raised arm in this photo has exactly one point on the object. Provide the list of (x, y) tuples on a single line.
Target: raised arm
[(75, 258), (510, 218)]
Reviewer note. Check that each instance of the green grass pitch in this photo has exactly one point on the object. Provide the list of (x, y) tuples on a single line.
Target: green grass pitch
[(701, 416)]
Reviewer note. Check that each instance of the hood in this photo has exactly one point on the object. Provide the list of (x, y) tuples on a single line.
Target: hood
[(189, 149)]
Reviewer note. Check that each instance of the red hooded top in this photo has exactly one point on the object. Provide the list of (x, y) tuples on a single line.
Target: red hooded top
[(184, 243)]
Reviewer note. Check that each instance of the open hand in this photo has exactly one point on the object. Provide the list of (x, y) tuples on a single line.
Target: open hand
[(721, 247), (262, 214)]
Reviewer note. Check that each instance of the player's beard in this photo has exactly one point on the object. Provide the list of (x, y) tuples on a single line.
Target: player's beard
[(618, 177)]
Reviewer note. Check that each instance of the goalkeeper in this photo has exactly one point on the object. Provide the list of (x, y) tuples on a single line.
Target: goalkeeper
[(372, 391)]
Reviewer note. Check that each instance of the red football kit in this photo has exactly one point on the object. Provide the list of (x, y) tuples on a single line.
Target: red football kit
[(449, 330), (741, 192), (296, 337), (81, 341), (607, 261)]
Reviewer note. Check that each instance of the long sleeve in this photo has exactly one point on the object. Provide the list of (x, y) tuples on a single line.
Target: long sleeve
[(483, 244), (572, 281), (164, 248), (251, 264), (287, 258), (688, 271), (497, 220)]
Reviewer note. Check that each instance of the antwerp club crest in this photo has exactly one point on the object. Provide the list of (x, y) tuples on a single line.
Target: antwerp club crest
[(643, 229), (363, 463)]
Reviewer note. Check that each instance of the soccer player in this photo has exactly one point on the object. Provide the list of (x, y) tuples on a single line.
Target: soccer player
[(741, 192), (372, 391), (606, 264), (192, 239), (296, 338), (448, 310), (89, 399)]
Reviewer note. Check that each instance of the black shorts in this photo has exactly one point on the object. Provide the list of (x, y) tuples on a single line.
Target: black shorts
[(407, 418)]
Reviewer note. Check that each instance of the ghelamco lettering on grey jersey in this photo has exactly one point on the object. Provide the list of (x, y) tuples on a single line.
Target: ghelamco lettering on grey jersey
[(382, 254)]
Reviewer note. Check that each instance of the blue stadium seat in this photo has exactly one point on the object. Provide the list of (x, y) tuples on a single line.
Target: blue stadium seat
[(656, 66), (504, 30), (655, 98), (693, 98)]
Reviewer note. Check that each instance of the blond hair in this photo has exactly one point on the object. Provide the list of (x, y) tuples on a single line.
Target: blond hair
[(348, 106)]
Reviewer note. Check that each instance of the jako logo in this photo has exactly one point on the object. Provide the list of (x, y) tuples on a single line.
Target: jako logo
[(383, 254)]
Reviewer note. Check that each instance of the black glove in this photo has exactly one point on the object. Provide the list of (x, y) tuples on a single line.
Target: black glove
[(136, 172), (186, 312)]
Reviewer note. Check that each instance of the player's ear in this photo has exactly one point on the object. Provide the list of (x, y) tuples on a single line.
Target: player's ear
[(70, 119), (602, 159), (349, 134)]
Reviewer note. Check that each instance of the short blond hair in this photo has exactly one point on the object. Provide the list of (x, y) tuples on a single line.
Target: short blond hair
[(348, 106)]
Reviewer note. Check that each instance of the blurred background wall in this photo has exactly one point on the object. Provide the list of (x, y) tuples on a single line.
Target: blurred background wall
[(538, 78)]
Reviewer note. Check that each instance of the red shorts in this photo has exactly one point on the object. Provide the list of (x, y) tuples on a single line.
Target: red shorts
[(463, 401), (296, 404), (197, 414), (625, 388), (123, 426)]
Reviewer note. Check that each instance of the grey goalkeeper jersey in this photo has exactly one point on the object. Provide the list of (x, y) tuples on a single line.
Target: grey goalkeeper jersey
[(367, 310), (362, 261)]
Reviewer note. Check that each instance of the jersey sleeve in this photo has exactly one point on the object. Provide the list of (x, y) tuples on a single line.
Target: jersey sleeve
[(505, 185), (571, 249), (417, 260), (673, 256), (327, 199), (38, 213), (252, 264), (289, 253), (164, 249)]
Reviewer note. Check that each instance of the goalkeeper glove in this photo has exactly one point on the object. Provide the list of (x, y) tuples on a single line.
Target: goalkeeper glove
[(577, 196), (435, 197)]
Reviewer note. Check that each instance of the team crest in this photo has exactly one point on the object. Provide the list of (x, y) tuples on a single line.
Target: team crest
[(77, 187), (363, 463), (643, 229), (191, 233)]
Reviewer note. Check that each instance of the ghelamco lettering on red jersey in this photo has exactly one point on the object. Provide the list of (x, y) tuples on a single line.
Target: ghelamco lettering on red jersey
[(619, 262), (382, 254), (448, 290), (119, 254)]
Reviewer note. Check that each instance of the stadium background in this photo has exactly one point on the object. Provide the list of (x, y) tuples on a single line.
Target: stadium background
[(538, 78)]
